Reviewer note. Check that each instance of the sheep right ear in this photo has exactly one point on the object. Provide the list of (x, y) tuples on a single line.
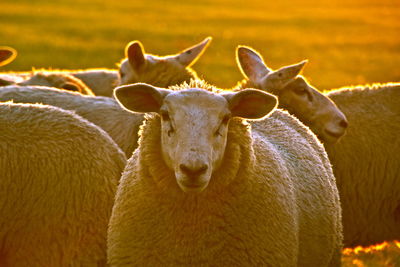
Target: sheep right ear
[(140, 97), (7, 54), (251, 63), (134, 51)]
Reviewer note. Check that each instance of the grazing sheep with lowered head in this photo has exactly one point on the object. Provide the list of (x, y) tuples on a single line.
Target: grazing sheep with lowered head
[(58, 175), (205, 188), (136, 67), (58, 80), (295, 95), (105, 112)]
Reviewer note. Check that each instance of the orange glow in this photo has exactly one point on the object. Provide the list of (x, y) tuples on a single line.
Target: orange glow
[(370, 249)]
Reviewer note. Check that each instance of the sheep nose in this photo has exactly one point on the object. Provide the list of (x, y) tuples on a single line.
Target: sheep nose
[(343, 123), (193, 171)]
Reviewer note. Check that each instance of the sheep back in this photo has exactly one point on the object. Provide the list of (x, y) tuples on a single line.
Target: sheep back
[(366, 163)]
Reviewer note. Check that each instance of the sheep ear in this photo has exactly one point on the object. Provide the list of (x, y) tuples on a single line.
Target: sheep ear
[(189, 56), (251, 103), (7, 54), (250, 63), (140, 97), (134, 51), (287, 74)]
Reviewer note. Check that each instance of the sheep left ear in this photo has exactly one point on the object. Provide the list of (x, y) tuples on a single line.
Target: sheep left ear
[(134, 51), (189, 56), (251, 103)]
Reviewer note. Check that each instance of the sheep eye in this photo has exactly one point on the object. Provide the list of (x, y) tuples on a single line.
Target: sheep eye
[(224, 122), (300, 91), (121, 74)]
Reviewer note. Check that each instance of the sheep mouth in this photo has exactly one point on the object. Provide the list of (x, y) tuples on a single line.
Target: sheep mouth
[(336, 135), (192, 187)]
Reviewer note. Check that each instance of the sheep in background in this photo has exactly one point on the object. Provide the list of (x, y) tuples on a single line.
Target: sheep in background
[(295, 95), (58, 175), (204, 189), (365, 160), (366, 163), (101, 81), (159, 71), (105, 112), (136, 67), (58, 80)]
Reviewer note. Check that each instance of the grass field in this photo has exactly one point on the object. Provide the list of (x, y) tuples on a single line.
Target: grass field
[(346, 42)]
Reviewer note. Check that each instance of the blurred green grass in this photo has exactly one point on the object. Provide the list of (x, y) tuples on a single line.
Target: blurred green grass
[(346, 42)]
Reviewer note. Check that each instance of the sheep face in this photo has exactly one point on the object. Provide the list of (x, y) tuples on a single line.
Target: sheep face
[(314, 109), (194, 125), (303, 101), (158, 71)]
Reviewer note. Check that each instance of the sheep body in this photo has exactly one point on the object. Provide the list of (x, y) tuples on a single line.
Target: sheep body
[(272, 202), (105, 112), (366, 163), (58, 80), (58, 178)]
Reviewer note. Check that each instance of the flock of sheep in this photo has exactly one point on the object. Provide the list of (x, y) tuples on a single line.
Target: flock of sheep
[(150, 166)]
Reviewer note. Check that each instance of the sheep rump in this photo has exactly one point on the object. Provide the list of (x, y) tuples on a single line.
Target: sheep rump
[(58, 178)]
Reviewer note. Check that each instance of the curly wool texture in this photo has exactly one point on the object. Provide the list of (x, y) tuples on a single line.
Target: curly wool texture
[(273, 202), (58, 175), (366, 163), (105, 112)]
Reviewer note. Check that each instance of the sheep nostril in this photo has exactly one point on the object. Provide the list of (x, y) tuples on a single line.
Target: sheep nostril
[(343, 123), (193, 171)]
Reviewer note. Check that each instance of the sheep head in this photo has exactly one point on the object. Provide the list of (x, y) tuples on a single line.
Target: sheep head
[(194, 125), (160, 71), (314, 109)]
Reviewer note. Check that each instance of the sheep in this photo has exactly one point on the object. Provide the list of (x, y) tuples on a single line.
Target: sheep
[(7, 55), (105, 112), (206, 188), (295, 94), (136, 67), (58, 80), (366, 163), (101, 81), (371, 211), (58, 175), (159, 71)]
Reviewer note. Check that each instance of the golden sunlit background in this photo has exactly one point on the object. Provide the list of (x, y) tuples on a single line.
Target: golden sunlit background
[(346, 43)]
